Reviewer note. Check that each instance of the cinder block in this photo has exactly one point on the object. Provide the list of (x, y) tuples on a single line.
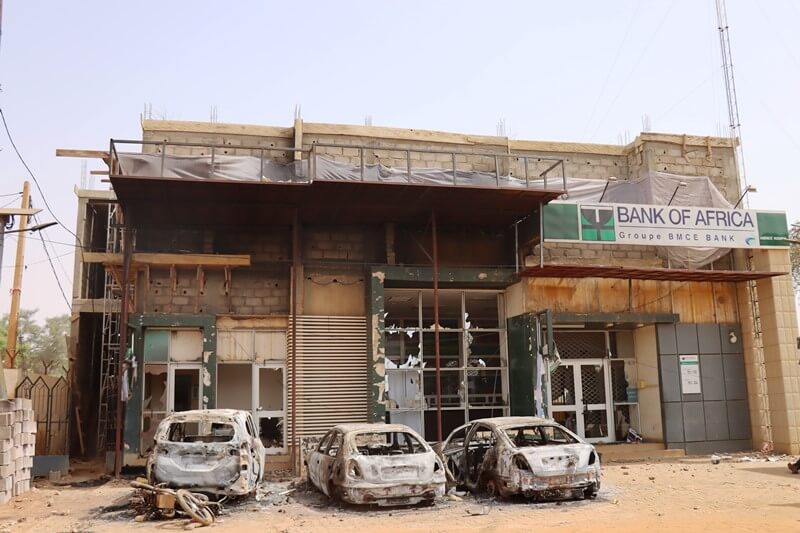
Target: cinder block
[(5, 496), (23, 474), (27, 462), (7, 483), (27, 414), (17, 428), (23, 403), (6, 457), (21, 487), (6, 419), (29, 426), (28, 450), (6, 432), (7, 470), (15, 452), (7, 406)]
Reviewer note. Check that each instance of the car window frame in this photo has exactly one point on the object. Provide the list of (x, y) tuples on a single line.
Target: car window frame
[(336, 434)]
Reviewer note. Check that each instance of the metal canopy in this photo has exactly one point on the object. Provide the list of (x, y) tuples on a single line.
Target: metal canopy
[(642, 273), (149, 200)]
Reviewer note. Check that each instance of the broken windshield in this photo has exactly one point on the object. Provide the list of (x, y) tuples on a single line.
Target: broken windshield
[(200, 431), (387, 443), (523, 436)]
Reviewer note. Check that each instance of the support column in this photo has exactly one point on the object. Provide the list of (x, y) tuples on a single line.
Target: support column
[(435, 247), (781, 372)]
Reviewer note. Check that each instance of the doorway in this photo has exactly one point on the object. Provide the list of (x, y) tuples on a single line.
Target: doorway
[(579, 398), (186, 386)]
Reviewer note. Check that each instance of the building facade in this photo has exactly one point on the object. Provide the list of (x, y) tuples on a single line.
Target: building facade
[(316, 274)]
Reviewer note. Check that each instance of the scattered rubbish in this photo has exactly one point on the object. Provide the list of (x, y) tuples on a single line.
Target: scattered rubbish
[(455, 498), (633, 437), (484, 510)]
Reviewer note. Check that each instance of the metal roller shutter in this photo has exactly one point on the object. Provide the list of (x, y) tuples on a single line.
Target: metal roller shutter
[(331, 372)]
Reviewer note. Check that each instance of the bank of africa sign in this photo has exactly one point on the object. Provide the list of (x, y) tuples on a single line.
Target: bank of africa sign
[(658, 225)]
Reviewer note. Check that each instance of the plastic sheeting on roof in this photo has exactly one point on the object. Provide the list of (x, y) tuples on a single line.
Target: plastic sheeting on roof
[(657, 188), (248, 168)]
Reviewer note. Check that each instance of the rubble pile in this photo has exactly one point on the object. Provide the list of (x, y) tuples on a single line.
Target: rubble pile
[(17, 447)]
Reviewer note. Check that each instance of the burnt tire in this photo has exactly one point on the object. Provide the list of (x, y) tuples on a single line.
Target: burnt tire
[(333, 492), (590, 492), (493, 489)]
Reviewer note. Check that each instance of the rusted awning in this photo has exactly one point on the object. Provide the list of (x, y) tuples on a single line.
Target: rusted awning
[(642, 273)]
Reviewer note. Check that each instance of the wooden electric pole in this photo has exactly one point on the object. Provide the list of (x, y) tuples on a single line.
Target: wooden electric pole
[(16, 288)]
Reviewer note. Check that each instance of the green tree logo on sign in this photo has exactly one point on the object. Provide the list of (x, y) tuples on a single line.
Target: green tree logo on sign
[(597, 224)]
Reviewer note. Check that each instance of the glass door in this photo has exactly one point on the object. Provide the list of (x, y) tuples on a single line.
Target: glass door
[(269, 405), (186, 387), (579, 392)]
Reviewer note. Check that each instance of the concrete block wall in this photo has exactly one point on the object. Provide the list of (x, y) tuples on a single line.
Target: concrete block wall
[(598, 254), (17, 447), (342, 243), (233, 144)]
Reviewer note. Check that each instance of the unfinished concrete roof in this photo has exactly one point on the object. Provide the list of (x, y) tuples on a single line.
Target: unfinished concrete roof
[(430, 136)]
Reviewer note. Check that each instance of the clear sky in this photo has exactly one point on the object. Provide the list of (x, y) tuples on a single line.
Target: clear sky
[(75, 74)]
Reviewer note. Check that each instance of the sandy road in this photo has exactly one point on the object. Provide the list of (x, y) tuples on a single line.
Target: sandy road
[(691, 495)]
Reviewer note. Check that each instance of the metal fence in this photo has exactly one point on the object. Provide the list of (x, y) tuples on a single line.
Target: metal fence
[(50, 397)]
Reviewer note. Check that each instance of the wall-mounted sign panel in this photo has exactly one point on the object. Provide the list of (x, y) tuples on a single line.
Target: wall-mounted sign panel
[(659, 225), (690, 374)]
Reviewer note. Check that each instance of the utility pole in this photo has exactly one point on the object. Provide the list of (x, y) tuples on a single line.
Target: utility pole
[(16, 288)]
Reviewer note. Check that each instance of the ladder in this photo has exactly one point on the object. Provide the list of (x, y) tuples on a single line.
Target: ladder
[(109, 352), (765, 420)]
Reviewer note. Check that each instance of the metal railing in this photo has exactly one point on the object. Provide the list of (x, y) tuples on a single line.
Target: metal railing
[(311, 154)]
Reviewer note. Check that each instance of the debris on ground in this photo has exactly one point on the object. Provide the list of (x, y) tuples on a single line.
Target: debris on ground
[(479, 511), (276, 493), (153, 502)]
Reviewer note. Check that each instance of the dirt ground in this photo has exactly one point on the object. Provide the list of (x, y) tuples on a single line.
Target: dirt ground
[(688, 495)]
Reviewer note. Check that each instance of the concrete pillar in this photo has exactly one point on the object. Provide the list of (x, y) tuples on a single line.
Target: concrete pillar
[(781, 376)]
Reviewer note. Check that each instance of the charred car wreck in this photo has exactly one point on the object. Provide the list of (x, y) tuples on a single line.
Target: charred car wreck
[(535, 457), (382, 464), (215, 451)]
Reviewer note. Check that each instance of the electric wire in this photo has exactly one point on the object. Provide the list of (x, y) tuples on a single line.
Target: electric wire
[(55, 274)]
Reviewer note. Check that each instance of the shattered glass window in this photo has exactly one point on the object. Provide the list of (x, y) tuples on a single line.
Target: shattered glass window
[(387, 443), (200, 431), (524, 436)]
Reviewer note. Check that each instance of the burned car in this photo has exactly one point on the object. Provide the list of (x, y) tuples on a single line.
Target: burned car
[(382, 464), (213, 451), (532, 456)]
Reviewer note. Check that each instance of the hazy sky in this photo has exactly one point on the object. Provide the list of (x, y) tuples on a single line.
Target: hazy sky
[(75, 74)]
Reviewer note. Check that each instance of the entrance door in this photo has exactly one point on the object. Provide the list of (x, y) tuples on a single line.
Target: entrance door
[(186, 387), (269, 405), (579, 398)]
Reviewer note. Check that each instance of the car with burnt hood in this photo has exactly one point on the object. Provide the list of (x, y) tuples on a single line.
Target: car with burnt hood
[(535, 457), (381, 464), (213, 451)]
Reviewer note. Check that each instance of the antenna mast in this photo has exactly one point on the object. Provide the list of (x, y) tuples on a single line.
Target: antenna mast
[(730, 92)]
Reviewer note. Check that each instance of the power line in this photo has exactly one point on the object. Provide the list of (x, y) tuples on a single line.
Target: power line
[(26, 265), (11, 194), (55, 275)]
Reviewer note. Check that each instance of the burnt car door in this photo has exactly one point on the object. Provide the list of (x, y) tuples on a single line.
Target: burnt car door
[(327, 463), (257, 447), (452, 454), (480, 457), (315, 458)]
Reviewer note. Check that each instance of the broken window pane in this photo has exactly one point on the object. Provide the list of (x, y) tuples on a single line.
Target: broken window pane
[(155, 388), (270, 430), (449, 349), (387, 443), (270, 389), (401, 308), (186, 395), (481, 310), (450, 312), (150, 422), (484, 387), (524, 436), (451, 387), (403, 349), (568, 419), (235, 386), (483, 349), (186, 345)]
